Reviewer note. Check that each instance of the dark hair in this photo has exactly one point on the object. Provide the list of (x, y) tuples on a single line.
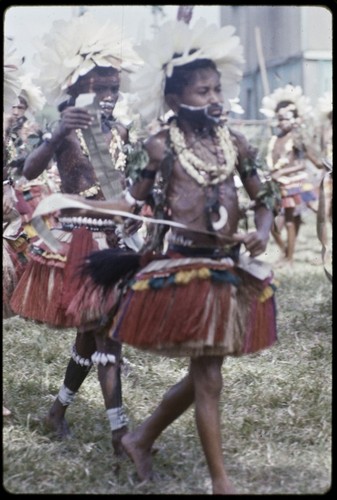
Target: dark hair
[(183, 75), (23, 101), (104, 70), (285, 104), (99, 70)]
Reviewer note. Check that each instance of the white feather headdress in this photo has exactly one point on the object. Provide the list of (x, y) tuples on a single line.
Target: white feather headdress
[(235, 106), (177, 37), (12, 73), (290, 93), (324, 105), (73, 48), (32, 94)]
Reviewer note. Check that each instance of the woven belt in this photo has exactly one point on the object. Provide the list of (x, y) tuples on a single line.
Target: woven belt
[(212, 253)]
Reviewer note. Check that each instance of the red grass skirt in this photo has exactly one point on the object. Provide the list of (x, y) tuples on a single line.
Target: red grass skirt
[(192, 307), (28, 199), (14, 262), (51, 290)]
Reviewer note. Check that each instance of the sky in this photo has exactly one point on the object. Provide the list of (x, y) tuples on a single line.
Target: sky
[(26, 25)]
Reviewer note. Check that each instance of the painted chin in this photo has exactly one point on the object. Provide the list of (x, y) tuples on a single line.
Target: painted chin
[(107, 105), (214, 116), (201, 115)]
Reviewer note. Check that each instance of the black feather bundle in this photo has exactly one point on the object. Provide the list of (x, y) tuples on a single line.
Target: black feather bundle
[(106, 267)]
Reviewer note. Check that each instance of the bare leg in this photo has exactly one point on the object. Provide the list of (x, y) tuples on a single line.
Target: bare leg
[(75, 375), (138, 443), (292, 224), (298, 222), (291, 233), (109, 376), (207, 380), (276, 232), (279, 241)]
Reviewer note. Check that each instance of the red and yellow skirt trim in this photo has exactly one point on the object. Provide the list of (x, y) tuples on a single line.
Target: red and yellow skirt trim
[(192, 307)]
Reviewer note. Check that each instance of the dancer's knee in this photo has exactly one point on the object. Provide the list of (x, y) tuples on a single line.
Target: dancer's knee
[(208, 376)]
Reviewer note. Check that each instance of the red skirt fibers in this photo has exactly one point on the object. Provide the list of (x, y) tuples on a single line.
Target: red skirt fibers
[(200, 317), (14, 262), (51, 281)]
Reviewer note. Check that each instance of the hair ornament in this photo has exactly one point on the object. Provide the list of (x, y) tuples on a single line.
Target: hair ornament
[(73, 48), (290, 93), (175, 44)]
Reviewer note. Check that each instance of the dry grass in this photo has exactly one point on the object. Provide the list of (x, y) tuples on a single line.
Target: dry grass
[(275, 406)]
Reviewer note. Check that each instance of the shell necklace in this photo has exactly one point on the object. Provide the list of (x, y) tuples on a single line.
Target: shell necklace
[(203, 173), (283, 160), (116, 144)]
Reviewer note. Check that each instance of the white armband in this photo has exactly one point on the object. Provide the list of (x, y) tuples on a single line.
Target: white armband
[(130, 200)]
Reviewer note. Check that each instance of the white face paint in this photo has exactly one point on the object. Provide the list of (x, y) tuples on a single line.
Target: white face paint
[(200, 114)]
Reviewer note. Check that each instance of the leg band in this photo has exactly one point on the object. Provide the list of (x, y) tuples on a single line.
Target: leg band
[(103, 359), (78, 359), (117, 418), (66, 396)]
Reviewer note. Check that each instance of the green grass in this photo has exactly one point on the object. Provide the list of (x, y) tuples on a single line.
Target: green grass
[(276, 406)]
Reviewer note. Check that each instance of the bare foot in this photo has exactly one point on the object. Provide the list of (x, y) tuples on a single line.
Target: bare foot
[(117, 441), (57, 425), (141, 457), (224, 487), (283, 263)]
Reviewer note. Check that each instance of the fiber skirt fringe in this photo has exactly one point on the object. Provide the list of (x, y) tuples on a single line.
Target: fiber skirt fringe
[(14, 262), (293, 195), (51, 289), (192, 307)]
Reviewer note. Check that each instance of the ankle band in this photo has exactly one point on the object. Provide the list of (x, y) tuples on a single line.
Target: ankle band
[(66, 396), (117, 418)]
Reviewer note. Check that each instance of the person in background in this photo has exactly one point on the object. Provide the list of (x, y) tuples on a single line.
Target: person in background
[(14, 240), (289, 150), (22, 135), (80, 59), (325, 134)]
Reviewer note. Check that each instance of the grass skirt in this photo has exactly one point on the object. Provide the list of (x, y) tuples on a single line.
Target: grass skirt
[(192, 307), (51, 289), (14, 262)]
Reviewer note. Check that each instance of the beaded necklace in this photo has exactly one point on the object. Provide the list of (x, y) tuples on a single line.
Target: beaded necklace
[(116, 144), (203, 173), (283, 160)]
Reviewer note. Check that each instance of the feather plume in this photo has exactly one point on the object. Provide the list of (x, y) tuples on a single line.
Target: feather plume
[(73, 48), (12, 72), (324, 105), (32, 94), (160, 57), (107, 267), (288, 93)]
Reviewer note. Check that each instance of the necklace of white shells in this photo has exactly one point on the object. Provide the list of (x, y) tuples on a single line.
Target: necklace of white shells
[(283, 160), (203, 173), (116, 144)]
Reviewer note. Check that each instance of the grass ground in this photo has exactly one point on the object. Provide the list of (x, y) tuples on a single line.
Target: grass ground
[(276, 406)]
